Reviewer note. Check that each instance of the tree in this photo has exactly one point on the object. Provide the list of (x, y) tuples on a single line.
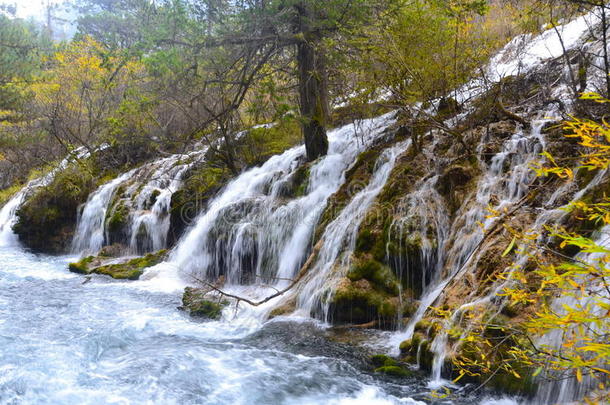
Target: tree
[(251, 36), (21, 46)]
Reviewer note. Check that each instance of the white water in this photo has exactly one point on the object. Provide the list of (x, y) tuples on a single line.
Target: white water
[(8, 220), (422, 216), (252, 235), (503, 183), (340, 239), (148, 225), (65, 342), (89, 236)]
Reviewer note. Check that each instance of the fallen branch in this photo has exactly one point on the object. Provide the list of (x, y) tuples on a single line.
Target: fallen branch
[(511, 115), (302, 272)]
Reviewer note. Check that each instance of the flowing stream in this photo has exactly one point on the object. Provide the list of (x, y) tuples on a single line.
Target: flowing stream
[(65, 342)]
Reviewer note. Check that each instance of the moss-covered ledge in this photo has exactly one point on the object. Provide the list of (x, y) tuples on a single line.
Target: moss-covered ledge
[(130, 269)]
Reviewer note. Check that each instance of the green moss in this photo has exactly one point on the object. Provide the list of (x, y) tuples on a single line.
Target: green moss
[(117, 218), (194, 301), (359, 302), (379, 275), (395, 371), (259, 144), (380, 360), (418, 348), (8, 193), (82, 266), (129, 270), (201, 183), (300, 181), (47, 219), (387, 365)]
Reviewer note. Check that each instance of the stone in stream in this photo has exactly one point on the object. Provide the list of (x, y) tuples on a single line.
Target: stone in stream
[(194, 301)]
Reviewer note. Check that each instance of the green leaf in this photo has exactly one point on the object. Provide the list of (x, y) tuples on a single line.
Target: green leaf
[(510, 247), (538, 371)]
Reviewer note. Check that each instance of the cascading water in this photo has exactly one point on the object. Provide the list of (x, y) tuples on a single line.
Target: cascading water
[(503, 182), (339, 239), (253, 232), (149, 211), (89, 236), (147, 193), (8, 219), (423, 218)]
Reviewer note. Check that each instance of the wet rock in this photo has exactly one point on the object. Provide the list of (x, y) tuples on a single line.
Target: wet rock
[(115, 250), (284, 309), (389, 366), (117, 222), (417, 350), (305, 338), (454, 184), (198, 306), (358, 302)]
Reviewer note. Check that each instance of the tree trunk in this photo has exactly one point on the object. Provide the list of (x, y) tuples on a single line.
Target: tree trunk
[(312, 88)]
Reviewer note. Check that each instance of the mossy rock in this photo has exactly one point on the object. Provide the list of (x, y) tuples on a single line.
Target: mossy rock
[(418, 347), (194, 301), (114, 250), (201, 183), (284, 309), (117, 219), (379, 275), (129, 270), (261, 143), (297, 184), (359, 303), (356, 178), (47, 219), (380, 360), (394, 371), (455, 183), (82, 266), (387, 365)]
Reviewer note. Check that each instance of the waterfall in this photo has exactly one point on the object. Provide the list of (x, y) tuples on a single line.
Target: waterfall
[(496, 188), (149, 225), (148, 221), (339, 238), (252, 232), (419, 213), (504, 181), (8, 213), (8, 219), (89, 236)]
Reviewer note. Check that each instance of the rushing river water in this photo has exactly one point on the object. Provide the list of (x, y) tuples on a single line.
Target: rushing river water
[(64, 340)]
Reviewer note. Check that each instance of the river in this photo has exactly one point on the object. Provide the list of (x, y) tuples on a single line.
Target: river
[(65, 339)]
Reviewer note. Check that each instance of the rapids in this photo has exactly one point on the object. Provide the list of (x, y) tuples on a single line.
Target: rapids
[(65, 341)]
